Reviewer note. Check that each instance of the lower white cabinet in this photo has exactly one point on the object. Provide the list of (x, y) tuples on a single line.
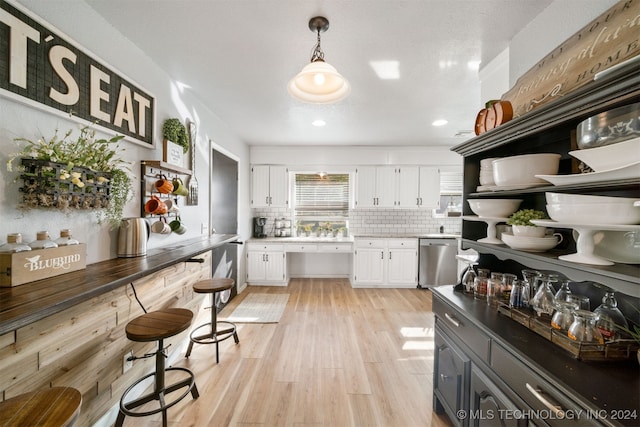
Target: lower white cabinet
[(381, 262), (266, 264)]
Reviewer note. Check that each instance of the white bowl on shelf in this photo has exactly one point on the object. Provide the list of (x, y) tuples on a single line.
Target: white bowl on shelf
[(494, 208), (531, 244), (595, 213), (610, 157), (522, 170), (566, 198)]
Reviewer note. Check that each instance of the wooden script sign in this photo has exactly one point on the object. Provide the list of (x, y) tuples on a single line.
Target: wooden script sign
[(608, 40), (40, 67)]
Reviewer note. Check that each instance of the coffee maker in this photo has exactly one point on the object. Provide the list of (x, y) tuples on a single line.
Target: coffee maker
[(259, 223)]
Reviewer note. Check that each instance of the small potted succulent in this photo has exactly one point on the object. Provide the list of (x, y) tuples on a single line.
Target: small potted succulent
[(520, 222)]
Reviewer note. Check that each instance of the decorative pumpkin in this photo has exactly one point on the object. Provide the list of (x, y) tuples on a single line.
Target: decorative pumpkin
[(495, 113)]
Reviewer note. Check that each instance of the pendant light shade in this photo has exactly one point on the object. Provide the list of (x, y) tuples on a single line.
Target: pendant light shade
[(319, 82)]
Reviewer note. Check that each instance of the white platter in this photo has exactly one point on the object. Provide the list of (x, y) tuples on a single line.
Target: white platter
[(516, 187), (530, 244), (627, 172)]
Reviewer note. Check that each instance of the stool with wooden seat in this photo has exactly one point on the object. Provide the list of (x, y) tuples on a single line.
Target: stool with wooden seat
[(214, 335), (52, 407), (156, 326)]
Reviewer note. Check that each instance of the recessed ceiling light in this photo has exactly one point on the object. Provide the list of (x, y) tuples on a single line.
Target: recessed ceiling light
[(318, 123), (473, 65), (440, 122), (386, 70)]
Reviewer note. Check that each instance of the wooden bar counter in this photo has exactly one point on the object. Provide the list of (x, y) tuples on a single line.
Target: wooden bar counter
[(68, 331)]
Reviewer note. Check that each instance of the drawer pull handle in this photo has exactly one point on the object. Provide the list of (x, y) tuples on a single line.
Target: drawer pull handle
[(452, 319), (444, 377), (556, 409)]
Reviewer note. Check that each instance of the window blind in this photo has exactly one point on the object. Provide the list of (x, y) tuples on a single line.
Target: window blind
[(322, 196)]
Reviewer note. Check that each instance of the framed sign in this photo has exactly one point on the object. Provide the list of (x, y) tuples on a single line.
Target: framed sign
[(172, 153), (42, 67)]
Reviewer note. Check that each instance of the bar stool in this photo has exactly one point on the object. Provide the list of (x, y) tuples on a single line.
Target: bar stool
[(53, 407), (214, 335), (155, 326)]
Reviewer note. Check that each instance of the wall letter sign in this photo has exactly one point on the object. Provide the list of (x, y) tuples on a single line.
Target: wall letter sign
[(41, 67)]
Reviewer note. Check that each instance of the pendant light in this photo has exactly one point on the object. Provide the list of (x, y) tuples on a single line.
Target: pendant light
[(319, 82)]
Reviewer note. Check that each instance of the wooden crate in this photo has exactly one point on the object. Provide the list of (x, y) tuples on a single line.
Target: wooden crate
[(24, 267)]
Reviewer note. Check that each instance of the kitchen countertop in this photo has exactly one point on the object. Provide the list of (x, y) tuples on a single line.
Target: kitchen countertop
[(350, 239), (24, 304)]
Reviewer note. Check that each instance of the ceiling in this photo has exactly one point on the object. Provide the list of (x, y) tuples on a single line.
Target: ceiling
[(238, 56)]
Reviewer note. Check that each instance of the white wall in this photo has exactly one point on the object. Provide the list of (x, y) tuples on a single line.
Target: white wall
[(90, 31)]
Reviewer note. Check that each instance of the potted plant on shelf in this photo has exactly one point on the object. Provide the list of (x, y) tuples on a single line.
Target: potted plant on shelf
[(173, 130), (74, 173), (520, 222)]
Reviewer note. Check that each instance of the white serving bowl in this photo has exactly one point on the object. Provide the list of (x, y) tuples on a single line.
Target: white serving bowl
[(521, 170), (609, 157), (618, 246), (595, 213), (531, 244), (569, 199), (494, 208), (528, 231)]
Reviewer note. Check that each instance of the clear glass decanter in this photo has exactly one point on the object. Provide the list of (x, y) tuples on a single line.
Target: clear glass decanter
[(610, 317), (544, 299), (563, 292)]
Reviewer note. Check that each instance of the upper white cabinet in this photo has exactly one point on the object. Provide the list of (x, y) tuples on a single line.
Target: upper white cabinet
[(406, 187), (269, 186)]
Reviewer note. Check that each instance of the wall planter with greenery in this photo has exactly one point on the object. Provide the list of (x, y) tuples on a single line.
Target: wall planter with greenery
[(173, 130), (74, 173)]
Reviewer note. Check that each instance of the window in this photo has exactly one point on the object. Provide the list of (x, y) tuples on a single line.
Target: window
[(320, 199)]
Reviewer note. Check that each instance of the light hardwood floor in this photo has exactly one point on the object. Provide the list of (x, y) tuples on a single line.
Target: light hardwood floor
[(338, 357)]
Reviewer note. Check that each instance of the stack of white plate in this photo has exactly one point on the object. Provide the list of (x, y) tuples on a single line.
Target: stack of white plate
[(486, 174)]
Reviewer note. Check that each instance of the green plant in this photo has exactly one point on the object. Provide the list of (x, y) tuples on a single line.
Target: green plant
[(524, 217), (87, 152), (174, 131)]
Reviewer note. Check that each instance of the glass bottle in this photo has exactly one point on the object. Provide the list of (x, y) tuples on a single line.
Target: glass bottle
[(610, 318), (65, 238), (583, 328), (493, 288), (14, 244), (563, 292), (480, 284), (43, 241), (543, 302)]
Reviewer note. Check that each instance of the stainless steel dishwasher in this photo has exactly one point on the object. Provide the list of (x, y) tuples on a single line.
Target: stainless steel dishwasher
[(437, 262)]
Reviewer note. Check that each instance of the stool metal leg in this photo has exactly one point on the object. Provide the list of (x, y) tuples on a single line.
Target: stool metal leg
[(214, 336)]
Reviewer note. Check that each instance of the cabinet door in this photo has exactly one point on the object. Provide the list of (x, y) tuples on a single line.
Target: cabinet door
[(429, 193), (369, 266), (408, 179), (255, 266), (259, 186), (450, 378), (403, 266), (488, 406), (365, 187), (278, 187), (274, 265), (385, 187)]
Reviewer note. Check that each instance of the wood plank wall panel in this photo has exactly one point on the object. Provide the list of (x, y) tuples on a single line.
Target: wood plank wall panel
[(83, 346)]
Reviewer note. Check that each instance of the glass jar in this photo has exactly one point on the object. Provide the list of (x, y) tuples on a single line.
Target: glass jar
[(507, 284), (468, 277), (583, 328), (610, 318), (493, 288), (43, 241), (519, 294), (563, 292), (530, 277), (563, 315), (480, 283), (65, 238), (14, 244), (544, 300)]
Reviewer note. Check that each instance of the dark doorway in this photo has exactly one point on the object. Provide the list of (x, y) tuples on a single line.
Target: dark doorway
[(224, 220)]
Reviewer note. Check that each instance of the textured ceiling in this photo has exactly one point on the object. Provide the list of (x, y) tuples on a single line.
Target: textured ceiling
[(240, 54)]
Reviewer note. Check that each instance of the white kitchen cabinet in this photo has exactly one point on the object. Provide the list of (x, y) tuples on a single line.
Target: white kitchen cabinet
[(381, 262), (269, 186), (405, 187), (266, 264), (375, 186)]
